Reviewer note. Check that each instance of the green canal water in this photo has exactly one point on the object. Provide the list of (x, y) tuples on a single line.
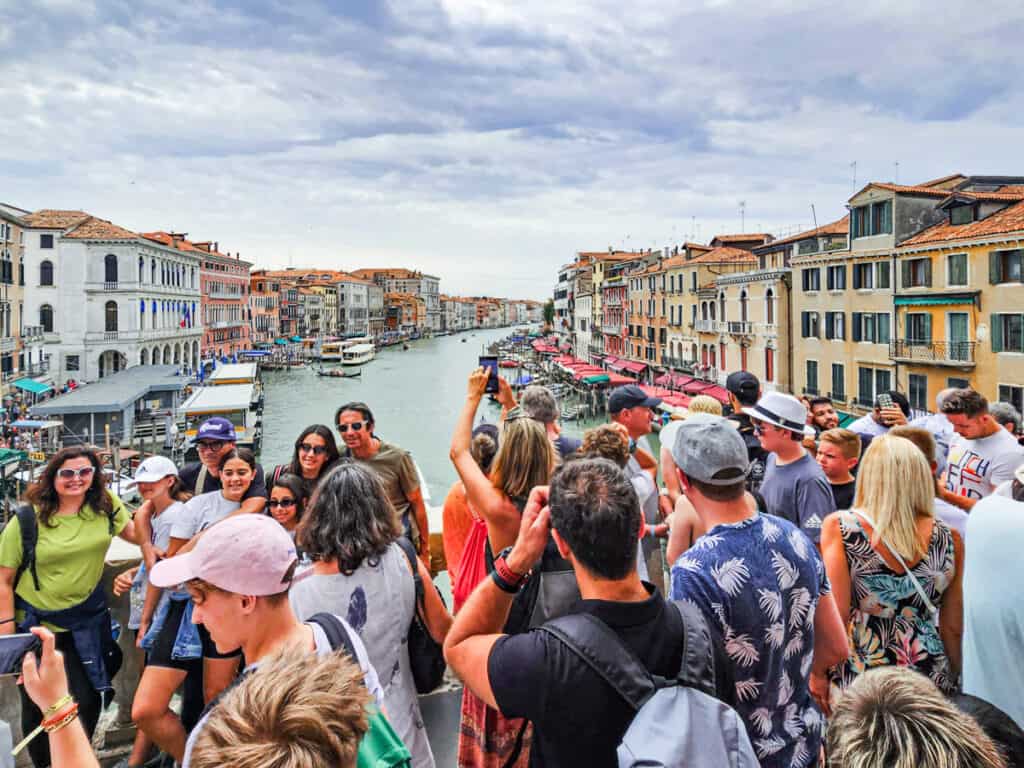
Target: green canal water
[(415, 395)]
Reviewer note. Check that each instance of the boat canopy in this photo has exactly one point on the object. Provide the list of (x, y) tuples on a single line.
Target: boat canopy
[(228, 397), (33, 386)]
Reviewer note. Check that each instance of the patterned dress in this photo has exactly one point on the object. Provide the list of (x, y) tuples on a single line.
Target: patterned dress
[(759, 582), (889, 622)]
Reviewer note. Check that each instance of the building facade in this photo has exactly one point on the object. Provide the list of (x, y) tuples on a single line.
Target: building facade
[(353, 306), (107, 298), (264, 308)]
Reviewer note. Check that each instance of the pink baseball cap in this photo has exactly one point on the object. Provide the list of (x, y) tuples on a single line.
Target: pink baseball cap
[(248, 554)]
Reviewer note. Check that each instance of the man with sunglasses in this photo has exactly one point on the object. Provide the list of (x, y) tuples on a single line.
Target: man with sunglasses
[(215, 437), (392, 465)]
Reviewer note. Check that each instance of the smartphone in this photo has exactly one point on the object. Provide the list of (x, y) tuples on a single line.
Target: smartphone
[(885, 400), (13, 649), (490, 362)]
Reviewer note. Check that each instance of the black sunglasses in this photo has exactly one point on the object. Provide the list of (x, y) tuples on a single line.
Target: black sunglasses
[(356, 426), (281, 503), (316, 450)]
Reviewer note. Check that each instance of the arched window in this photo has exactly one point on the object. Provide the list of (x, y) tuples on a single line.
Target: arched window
[(110, 268), (46, 318), (152, 271), (743, 306), (721, 306), (110, 316), (769, 307), (46, 273), (142, 269), (703, 310), (711, 305)]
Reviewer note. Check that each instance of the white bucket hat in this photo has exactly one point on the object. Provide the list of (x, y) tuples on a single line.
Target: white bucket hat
[(783, 411)]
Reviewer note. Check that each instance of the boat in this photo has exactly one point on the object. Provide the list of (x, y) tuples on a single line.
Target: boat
[(465, 340), (235, 402), (405, 346), (331, 350), (339, 374), (358, 354)]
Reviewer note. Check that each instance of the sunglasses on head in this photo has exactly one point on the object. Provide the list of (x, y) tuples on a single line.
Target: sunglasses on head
[(281, 503), (355, 425), (67, 474), (316, 450)]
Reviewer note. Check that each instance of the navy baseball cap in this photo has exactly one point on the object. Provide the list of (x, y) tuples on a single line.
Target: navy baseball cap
[(630, 396), (217, 428)]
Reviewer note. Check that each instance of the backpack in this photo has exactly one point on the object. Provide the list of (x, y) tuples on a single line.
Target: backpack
[(549, 592), (426, 655), (678, 722), (380, 746), (28, 526)]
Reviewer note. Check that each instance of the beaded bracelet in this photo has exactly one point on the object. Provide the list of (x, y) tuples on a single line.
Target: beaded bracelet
[(63, 722), (66, 717)]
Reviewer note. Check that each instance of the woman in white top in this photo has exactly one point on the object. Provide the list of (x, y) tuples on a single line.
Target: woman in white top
[(361, 574)]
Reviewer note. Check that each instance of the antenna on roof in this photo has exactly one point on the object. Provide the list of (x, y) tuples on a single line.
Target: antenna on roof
[(814, 215), (896, 172), (854, 166), (743, 215)]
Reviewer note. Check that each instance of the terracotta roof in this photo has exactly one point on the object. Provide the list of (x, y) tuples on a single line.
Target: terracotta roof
[(743, 238), (99, 229), (839, 227), (51, 219), (399, 273), (181, 244), (675, 261), (696, 247), (943, 180), (723, 255), (611, 256), (910, 190), (1010, 219), (1005, 194)]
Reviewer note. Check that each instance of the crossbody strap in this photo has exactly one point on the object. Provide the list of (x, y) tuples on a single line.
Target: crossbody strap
[(899, 559), (336, 633)]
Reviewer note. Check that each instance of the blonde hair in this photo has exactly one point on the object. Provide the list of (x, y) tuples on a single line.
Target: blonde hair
[(846, 441), (895, 486), (705, 404), (526, 457), (893, 717), (296, 711)]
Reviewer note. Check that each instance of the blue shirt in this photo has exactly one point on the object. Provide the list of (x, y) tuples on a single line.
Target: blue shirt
[(798, 492), (759, 581)]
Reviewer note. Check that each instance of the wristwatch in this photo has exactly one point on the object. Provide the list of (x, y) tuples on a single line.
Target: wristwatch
[(504, 577)]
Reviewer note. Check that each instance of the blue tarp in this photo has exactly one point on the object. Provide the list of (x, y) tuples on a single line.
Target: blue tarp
[(523, 380), (255, 353), (33, 386), (282, 342), (296, 338)]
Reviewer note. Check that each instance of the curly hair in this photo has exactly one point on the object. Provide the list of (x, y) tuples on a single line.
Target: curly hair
[(349, 519), (295, 711), (605, 442), (42, 494)]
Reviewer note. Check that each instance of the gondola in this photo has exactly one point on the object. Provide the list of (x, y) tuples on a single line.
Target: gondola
[(338, 374)]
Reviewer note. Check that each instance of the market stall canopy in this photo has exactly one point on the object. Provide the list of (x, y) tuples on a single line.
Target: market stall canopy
[(33, 386), (596, 378), (615, 379), (634, 367), (673, 380), (296, 338)]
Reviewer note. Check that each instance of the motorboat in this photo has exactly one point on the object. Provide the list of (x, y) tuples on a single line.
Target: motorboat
[(358, 354)]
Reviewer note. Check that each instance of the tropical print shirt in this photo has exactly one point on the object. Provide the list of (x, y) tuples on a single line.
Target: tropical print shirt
[(890, 623), (759, 581)]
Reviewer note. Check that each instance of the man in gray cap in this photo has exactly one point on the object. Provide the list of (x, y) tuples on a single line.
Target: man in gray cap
[(759, 581), (540, 405)]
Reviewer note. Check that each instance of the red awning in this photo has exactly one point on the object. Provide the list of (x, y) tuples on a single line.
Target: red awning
[(615, 379), (563, 359), (696, 386), (634, 367), (673, 380), (677, 400), (717, 392), (610, 360), (655, 391)]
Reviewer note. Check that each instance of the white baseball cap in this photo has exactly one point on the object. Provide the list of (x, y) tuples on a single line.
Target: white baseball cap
[(155, 468)]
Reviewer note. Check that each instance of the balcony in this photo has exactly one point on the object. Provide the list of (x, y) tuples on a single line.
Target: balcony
[(739, 328), (705, 326), (32, 334), (955, 354)]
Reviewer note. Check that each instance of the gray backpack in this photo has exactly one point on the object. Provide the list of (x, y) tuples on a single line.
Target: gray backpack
[(678, 722)]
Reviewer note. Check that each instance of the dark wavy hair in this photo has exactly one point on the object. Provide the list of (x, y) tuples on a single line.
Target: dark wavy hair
[(361, 408), (293, 484), (43, 494), (349, 519), (320, 430)]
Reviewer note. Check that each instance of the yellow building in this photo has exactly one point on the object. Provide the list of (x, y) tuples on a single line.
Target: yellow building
[(329, 308), (959, 306)]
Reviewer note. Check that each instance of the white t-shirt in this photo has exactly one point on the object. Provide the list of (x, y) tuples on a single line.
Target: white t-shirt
[(323, 647), (163, 524), (952, 516), (200, 513), (866, 425), (976, 467), (994, 605)]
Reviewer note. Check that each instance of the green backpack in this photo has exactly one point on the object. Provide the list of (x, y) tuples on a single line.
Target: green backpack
[(380, 746)]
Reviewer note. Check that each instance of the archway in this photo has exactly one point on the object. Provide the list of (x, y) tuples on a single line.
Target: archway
[(167, 354), (144, 357), (177, 354)]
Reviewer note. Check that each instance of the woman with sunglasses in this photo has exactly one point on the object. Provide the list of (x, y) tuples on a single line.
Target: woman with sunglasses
[(315, 454), (287, 501), (76, 516)]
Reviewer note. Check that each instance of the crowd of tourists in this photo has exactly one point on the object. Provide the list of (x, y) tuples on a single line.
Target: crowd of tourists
[(765, 588)]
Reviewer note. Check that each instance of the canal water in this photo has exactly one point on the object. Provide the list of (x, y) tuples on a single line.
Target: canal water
[(415, 395)]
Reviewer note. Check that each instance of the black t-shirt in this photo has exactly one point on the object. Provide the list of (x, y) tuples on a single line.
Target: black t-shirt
[(567, 446), (843, 494), (189, 474), (578, 718), (756, 455)]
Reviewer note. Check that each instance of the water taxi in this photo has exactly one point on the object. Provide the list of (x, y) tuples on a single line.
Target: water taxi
[(237, 403), (358, 354)]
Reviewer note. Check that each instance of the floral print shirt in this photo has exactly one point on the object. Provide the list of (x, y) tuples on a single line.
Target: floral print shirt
[(759, 582), (889, 622)]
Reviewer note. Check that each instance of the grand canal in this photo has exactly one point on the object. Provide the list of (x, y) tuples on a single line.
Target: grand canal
[(415, 395)]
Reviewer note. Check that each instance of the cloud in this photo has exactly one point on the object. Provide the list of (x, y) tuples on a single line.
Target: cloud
[(487, 141)]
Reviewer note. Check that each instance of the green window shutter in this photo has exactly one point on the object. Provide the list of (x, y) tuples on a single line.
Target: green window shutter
[(855, 331), (905, 267), (928, 273), (926, 331), (997, 333), (882, 320), (856, 277), (993, 267)]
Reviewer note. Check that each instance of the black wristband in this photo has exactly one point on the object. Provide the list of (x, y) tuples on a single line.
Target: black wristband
[(503, 585)]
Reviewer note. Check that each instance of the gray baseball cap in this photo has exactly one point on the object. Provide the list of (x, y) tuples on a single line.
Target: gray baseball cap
[(706, 445)]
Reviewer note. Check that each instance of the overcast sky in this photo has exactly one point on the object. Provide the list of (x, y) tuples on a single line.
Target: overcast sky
[(486, 141)]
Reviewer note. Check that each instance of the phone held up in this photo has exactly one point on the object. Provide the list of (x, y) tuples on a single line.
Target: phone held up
[(13, 649), (490, 362)]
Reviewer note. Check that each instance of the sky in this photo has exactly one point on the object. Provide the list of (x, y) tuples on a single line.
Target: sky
[(486, 141)]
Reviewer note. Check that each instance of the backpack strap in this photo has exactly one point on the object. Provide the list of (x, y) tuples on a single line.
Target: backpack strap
[(200, 480), (602, 650), (336, 633), (278, 471), (697, 668), (413, 558), (29, 527)]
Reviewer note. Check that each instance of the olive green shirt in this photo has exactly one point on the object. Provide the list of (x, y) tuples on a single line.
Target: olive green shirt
[(70, 556)]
